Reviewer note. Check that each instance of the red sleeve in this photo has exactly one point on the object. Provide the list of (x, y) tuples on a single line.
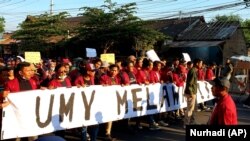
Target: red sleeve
[(104, 80), (78, 81), (126, 78), (6, 86), (153, 77), (12, 85), (201, 74), (34, 84), (209, 74), (175, 78), (68, 83), (140, 77), (54, 83), (228, 116)]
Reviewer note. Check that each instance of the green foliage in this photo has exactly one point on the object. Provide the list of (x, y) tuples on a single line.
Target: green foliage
[(109, 26), (35, 31), (225, 18), (2, 21), (246, 29)]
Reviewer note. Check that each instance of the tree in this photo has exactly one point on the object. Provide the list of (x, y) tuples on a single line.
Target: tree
[(2, 21), (246, 29), (225, 18), (35, 32), (109, 27)]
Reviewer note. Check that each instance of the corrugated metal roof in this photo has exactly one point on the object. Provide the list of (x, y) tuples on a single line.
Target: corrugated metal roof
[(173, 27), (209, 32), (195, 44)]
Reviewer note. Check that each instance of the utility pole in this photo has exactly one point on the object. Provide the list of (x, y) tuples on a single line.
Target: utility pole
[(51, 7)]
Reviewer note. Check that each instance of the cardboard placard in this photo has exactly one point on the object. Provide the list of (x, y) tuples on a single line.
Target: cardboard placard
[(91, 52), (151, 54), (32, 57), (186, 57), (109, 57)]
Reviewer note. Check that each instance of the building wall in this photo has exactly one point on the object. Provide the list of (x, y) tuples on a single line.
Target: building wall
[(236, 45)]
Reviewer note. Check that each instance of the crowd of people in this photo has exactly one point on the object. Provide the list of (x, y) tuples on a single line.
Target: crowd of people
[(17, 75)]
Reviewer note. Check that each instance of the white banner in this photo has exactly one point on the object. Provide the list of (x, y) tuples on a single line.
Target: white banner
[(44, 111)]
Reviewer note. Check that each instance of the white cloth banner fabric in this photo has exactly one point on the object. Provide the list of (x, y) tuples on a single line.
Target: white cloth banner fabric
[(39, 112)]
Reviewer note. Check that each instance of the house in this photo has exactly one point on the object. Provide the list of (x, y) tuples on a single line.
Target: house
[(6, 45), (212, 42)]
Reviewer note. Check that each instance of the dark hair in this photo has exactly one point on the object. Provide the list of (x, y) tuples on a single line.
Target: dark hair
[(145, 63), (83, 62), (96, 60), (21, 65), (197, 60), (8, 68), (213, 64), (58, 67), (112, 66), (155, 63), (189, 63), (53, 60)]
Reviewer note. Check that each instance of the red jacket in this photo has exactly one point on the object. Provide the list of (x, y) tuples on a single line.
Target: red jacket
[(124, 78), (155, 76), (167, 75), (200, 74), (179, 79), (55, 83), (106, 80), (225, 112), (141, 77), (80, 81), (209, 74), (13, 85)]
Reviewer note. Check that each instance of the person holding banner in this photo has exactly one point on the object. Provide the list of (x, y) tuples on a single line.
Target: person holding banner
[(60, 80), (86, 79), (156, 74), (101, 71), (179, 78), (145, 76), (22, 82), (191, 91), (111, 78), (97, 63)]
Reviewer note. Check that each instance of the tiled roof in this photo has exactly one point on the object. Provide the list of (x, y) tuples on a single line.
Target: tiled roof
[(74, 22), (6, 39)]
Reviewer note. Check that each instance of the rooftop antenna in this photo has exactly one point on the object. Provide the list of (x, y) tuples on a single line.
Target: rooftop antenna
[(180, 15)]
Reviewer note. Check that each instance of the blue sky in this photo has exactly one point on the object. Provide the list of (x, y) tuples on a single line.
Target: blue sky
[(15, 11)]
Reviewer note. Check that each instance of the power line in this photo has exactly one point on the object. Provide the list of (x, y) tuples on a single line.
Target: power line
[(13, 3), (24, 5), (210, 9)]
